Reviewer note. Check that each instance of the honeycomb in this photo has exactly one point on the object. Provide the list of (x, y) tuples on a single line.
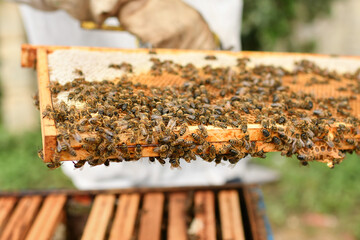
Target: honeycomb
[(114, 106)]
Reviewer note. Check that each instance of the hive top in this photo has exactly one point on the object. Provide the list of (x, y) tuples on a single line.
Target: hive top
[(94, 64)]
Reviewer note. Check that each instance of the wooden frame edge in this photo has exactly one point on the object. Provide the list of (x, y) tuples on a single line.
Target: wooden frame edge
[(48, 130)]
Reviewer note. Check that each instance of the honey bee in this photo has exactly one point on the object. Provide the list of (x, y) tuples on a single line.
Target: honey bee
[(218, 159), (192, 155), (150, 139), (220, 124), (161, 149), (212, 152), (107, 162), (143, 130), (223, 93), (94, 140), (77, 137), (244, 127), (235, 156), (119, 156), (55, 162), (183, 129), (138, 150), (172, 122), (88, 147), (152, 51), (304, 158), (276, 141), (297, 143), (111, 147), (125, 150), (161, 161), (53, 165), (341, 129), (197, 138), (202, 119), (41, 154), (175, 162), (328, 141), (225, 148), (281, 120), (133, 138), (200, 150), (178, 141), (236, 142), (266, 134), (203, 131), (47, 112), (71, 95), (92, 161), (210, 57), (265, 124), (304, 163), (102, 146), (61, 146), (79, 164), (187, 158), (36, 101), (260, 154), (78, 72), (236, 124), (72, 151)]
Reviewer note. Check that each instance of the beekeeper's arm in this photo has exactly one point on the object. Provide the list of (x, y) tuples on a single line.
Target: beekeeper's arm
[(162, 23)]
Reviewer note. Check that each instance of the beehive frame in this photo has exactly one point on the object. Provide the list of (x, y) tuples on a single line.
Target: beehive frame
[(232, 211), (37, 57)]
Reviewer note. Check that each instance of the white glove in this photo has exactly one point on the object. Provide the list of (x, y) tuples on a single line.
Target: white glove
[(166, 24), (83, 10), (162, 23)]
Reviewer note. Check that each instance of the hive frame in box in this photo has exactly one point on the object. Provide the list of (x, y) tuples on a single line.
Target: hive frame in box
[(37, 57), (232, 211)]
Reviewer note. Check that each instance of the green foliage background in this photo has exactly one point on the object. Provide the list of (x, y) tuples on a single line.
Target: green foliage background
[(265, 22)]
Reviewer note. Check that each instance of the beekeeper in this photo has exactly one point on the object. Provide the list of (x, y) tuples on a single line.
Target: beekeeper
[(188, 24)]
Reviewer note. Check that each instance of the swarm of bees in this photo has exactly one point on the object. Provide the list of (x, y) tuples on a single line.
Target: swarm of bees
[(114, 120)]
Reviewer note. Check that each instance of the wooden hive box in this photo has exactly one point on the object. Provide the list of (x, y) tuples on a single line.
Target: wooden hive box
[(227, 212), (42, 58)]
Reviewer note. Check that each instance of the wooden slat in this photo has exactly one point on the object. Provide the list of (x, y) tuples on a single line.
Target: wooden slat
[(140, 190), (177, 229), (124, 221), (99, 217), (205, 215), (48, 130), (6, 205), (48, 218), (230, 215), (151, 216), (20, 221), (257, 225), (28, 48)]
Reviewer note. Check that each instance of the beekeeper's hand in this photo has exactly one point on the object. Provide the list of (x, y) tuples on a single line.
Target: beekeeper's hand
[(83, 10), (162, 23)]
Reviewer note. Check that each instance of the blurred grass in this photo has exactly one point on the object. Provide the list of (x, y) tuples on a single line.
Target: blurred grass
[(20, 167), (314, 188)]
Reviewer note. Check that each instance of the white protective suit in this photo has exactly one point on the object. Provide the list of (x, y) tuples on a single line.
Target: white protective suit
[(58, 28)]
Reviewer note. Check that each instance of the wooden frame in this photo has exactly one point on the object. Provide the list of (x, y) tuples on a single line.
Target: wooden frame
[(36, 56)]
